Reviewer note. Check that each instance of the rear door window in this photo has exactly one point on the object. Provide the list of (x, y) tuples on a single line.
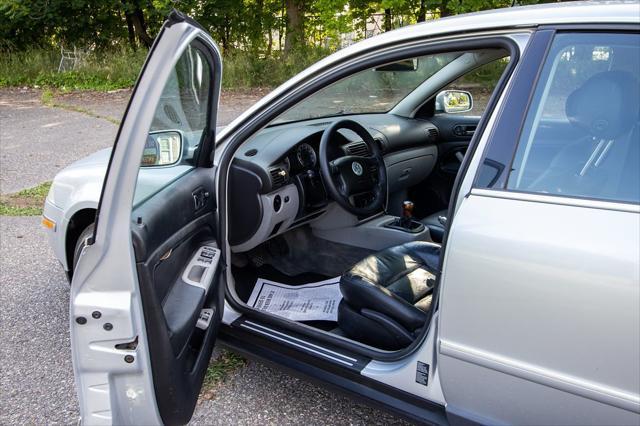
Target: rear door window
[(580, 137)]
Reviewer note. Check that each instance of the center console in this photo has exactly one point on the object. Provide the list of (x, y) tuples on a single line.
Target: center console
[(375, 233), (405, 222)]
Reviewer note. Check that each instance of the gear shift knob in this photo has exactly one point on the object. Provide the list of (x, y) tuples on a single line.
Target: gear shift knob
[(407, 210), (407, 214)]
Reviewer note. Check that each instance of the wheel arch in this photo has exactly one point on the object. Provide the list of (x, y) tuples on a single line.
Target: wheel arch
[(77, 223)]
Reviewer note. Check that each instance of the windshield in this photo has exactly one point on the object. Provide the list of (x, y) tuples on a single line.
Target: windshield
[(369, 91)]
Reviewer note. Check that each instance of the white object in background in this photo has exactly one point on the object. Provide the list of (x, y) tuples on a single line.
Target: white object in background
[(308, 302)]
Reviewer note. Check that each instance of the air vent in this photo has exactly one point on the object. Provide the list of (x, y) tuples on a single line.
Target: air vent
[(358, 148), (279, 177), (432, 134)]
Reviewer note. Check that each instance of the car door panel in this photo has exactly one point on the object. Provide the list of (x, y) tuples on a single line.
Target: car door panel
[(454, 135), (539, 295), (141, 358), (549, 285), (162, 258), (455, 127)]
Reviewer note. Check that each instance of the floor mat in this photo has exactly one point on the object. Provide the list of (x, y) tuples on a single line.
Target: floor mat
[(316, 301), (246, 277)]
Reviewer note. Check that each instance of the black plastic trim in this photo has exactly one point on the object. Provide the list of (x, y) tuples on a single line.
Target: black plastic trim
[(206, 145), (592, 28), (504, 136), (176, 17)]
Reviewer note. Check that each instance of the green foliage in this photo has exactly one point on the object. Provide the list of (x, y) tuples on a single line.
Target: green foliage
[(7, 209), (252, 35), (117, 69), (235, 24), (28, 202), (108, 70), (220, 369), (245, 69)]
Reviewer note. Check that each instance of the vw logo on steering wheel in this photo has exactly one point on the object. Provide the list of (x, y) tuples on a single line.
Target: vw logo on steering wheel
[(357, 168)]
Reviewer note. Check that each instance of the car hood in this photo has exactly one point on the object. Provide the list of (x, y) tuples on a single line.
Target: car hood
[(99, 158)]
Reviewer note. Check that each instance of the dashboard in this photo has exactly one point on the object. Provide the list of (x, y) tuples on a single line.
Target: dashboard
[(275, 182)]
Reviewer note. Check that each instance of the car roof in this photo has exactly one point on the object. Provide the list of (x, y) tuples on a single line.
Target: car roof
[(565, 13)]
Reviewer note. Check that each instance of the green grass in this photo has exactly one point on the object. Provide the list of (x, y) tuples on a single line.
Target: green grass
[(27, 202), (219, 370), (118, 69), (246, 69), (103, 71)]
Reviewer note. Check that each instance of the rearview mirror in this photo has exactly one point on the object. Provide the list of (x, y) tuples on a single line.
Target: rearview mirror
[(454, 101), (162, 149), (405, 65)]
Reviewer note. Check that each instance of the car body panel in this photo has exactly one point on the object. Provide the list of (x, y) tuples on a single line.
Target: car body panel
[(548, 276)]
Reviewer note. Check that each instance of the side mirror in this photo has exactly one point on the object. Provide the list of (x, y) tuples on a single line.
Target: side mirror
[(162, 149), (454, 101)]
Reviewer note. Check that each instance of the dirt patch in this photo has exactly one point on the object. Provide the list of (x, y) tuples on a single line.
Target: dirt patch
[(28, 202)]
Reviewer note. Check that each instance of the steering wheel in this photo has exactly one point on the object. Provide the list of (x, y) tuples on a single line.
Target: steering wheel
[(351, 176)]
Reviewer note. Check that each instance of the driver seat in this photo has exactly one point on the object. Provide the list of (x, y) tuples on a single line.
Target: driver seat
[(387, 295)]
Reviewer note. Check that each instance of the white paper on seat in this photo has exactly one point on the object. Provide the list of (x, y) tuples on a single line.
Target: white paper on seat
[(307, 302)]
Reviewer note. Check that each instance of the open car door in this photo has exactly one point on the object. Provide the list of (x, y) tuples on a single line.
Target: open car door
[(147, 294)]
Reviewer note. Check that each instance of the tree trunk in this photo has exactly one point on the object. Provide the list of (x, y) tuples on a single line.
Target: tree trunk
[(227, 33), (388, 25), (295, 24), (444, 9), (422, 12), (131, 31), (135, 22), (259, 13)]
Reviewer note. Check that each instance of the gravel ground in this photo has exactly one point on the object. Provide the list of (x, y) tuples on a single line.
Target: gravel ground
[(37, 141), (36, 377), (258, 394)]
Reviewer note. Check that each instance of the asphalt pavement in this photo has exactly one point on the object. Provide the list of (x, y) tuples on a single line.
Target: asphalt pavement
[(37, 141), (36, 377)]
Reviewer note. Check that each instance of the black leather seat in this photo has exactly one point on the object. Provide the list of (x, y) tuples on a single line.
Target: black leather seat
[(436, 228), (387, 295)]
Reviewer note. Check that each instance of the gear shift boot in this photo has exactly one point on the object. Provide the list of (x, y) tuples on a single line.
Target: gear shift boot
[(405, 222)]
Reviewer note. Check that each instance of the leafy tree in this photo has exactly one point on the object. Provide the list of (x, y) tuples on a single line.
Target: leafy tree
[(247, 25)]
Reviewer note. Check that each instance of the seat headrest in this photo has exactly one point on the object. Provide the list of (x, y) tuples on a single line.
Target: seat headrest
[(606, 105)]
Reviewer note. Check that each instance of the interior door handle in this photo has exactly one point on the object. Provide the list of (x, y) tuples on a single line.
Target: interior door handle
[(200, 198)]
